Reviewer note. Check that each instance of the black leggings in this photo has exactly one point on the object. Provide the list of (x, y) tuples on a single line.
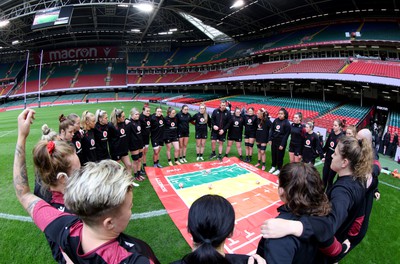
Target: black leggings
[(328, 175), (277, 155)]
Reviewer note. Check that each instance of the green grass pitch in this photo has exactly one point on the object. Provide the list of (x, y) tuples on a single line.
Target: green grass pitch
[(22, 242)]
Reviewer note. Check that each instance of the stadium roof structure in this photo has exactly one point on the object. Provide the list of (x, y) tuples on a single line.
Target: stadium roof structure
[(124, 23)]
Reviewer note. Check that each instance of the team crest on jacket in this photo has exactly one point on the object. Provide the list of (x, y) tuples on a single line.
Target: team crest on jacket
[(308, 142), (92, 142), (148, 123), (332, 144), (249, 121), (138, 128), (122, 131), (160, 122), (202, 119), (105, 134), (278, 127), (236, 123), (172, 124), (78, 145)]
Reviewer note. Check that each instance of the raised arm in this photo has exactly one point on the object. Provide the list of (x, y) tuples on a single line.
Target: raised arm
[(20, 176)]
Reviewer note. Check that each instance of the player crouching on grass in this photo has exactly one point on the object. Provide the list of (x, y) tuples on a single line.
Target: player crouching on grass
[(100, 194)]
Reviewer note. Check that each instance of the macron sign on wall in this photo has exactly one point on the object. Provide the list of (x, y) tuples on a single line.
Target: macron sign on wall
[(77, 54)]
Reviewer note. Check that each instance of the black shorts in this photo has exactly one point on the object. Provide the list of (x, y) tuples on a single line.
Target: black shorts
[(170, 140), (135, 147), (295, 149), (261, 137), (135, 144), (201, 135), (118, 157), (217, 136), (236, 139), (251, 134), (183, 134), (157, 143), (146, 140)]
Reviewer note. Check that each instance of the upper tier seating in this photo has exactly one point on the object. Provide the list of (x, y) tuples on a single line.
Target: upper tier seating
[(184, 55), (265, 68), (92, 74), (380, 31), (323, 66), (336, 32), (136, 58), (10, 70)]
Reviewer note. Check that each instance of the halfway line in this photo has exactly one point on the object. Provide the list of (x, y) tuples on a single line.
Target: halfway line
[(133, 216)]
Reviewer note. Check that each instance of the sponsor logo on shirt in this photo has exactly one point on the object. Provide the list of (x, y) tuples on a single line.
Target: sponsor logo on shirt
[(202, 119), (105, 134), (236, 123), (332, 144), (308, 142), (129, 244), (122, 131), (92, 142), (139, 128), (148, 123), (249, 121), (278, 127), (160, 122), (78, 145), (172, 124)]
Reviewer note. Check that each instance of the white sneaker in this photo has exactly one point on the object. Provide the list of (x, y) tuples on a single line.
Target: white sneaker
[(184, 160), (272, 170), (198, 158), (201, 158), (181, 160), (135, 184), (170, 163), (277, 172)]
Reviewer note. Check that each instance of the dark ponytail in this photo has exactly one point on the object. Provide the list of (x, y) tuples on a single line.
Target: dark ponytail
[(211, 220)]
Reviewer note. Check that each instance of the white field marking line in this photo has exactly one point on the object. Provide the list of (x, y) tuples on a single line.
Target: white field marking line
[(8, 132), (133, 216), (246, 243), (253, 213), (318, 163), (390, 185)]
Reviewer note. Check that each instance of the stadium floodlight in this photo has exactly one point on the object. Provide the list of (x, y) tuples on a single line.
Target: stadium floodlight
[(4, 23), (15, 42), (237, 4), (144, 7), (173, 29), (135, 30)]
